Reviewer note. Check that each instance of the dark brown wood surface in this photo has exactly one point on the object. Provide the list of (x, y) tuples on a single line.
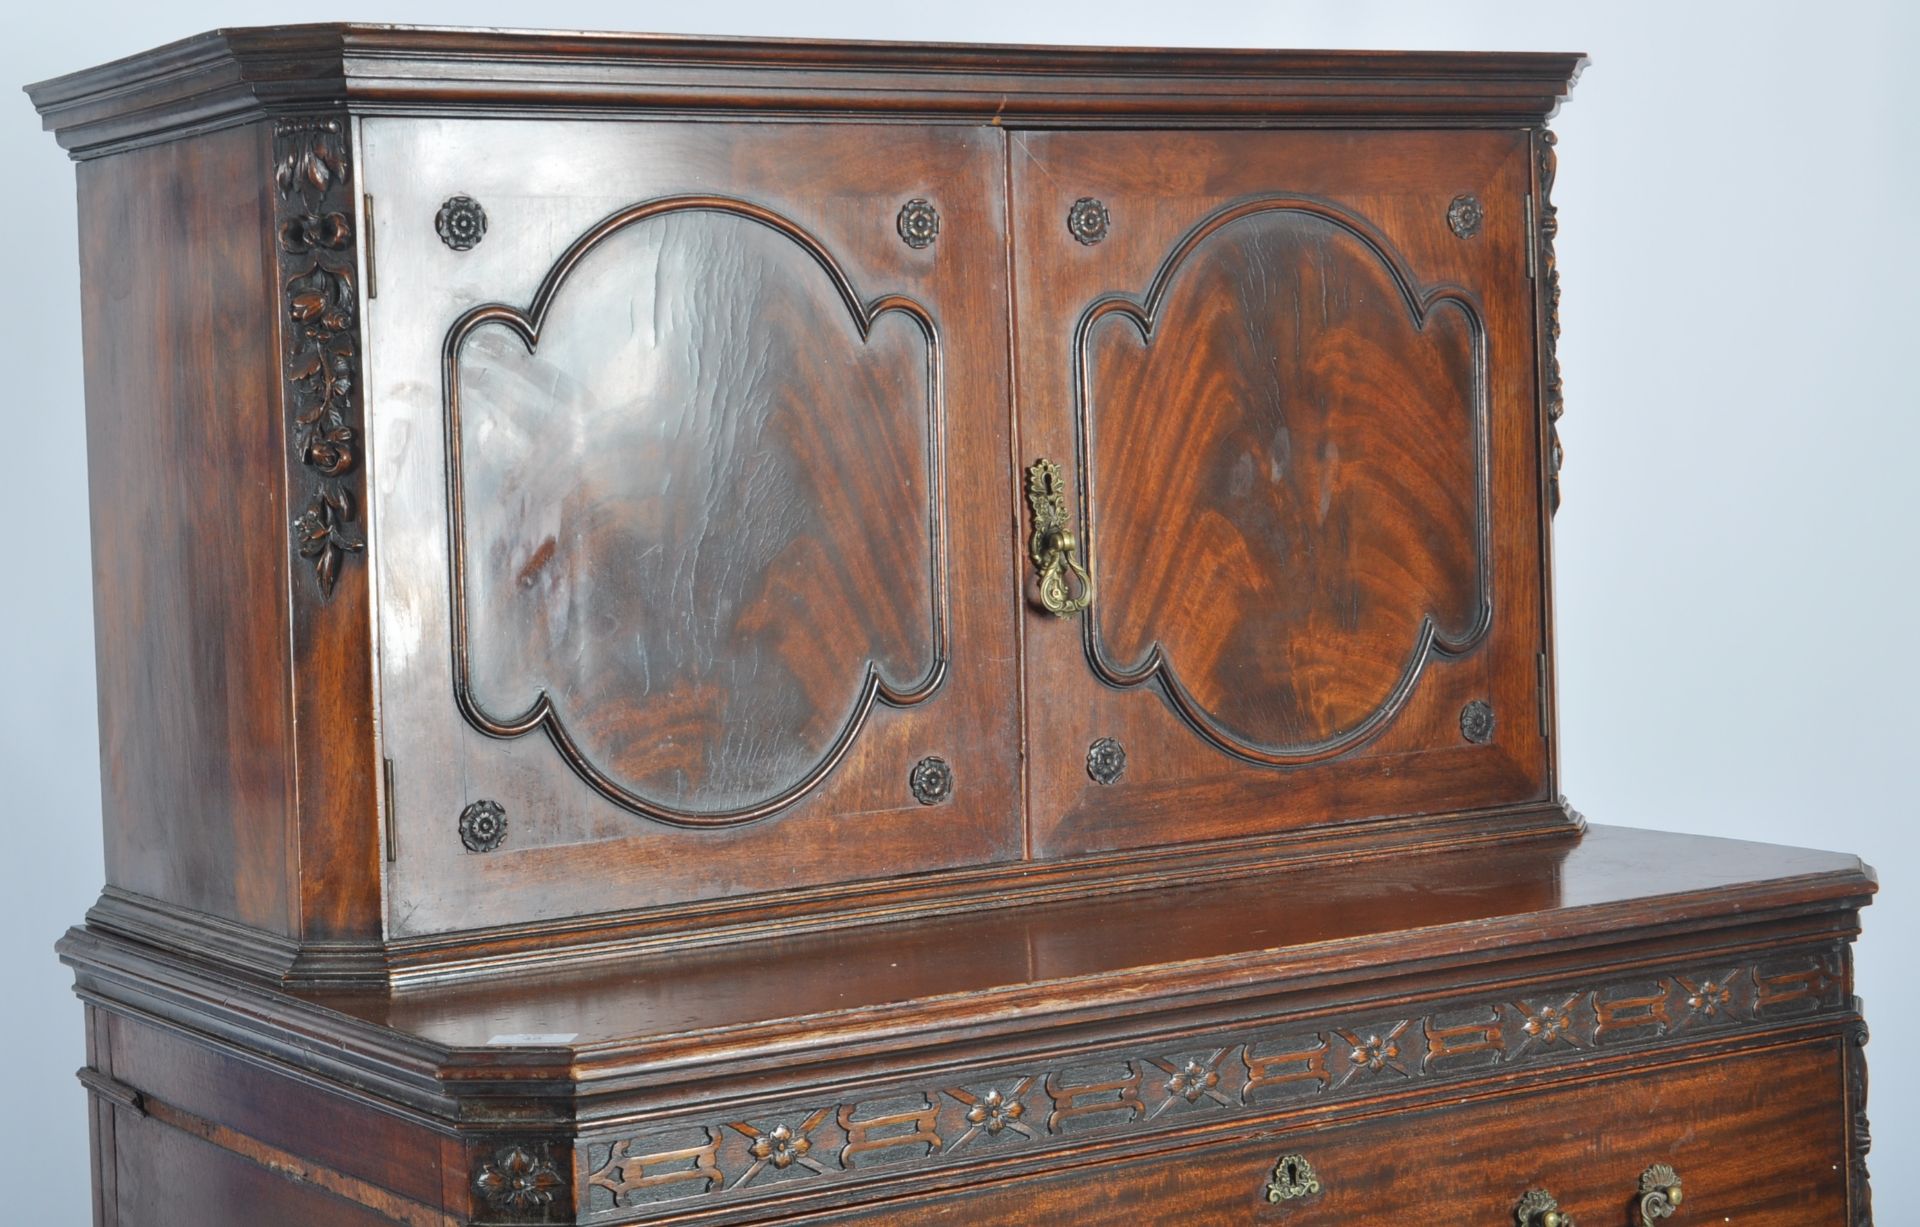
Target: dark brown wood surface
[(1581, 979), (213, 78), (1312, 921), (1756, 1139), (732, 533), (190, 594), (669, 530), (1299, 412)]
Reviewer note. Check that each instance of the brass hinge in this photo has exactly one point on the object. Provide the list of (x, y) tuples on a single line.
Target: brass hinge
[(1540, 688), (1533, 238), (373, 279), (393, 816)]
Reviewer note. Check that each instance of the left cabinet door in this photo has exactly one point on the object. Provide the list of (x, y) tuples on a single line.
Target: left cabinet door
[(683, 436)]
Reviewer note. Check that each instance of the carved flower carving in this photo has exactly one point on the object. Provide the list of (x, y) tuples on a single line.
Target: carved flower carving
[(780, 1147), (918, 223), (316, 239), (304, 232), (931, 781), (483, 826), (1547, 1024), (1476, 722), (311, 163), (1106, 760), (1192, 1081), (516, 1180), (1088, 220), (993, 1112), (1374, 1052), (1709, 998), (461, 223), (1464, 216)]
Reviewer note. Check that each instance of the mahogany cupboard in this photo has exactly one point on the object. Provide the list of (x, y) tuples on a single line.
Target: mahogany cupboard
[(716, 630)]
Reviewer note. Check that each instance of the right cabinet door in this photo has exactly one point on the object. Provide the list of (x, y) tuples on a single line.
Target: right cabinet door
[(1287, 383)]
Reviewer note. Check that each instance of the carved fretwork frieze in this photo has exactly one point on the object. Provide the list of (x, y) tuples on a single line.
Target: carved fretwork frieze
[(1549, 225), (314, 221), (1234, 1075)]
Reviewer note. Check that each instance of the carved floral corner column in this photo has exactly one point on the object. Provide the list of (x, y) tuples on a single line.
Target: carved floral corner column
[(314, 227), (1548, 226)]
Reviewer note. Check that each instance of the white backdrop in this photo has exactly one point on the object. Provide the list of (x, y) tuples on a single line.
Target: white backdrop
[(1736, 554)]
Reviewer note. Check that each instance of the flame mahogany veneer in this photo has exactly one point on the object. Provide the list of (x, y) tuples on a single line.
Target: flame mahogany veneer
[(716, 631)]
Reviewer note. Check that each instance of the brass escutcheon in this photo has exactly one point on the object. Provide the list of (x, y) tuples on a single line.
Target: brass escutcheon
[(1293, 1177), (1052, 544)]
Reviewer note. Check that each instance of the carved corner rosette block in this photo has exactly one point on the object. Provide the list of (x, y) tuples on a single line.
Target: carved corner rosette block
[(518, 1181), (313, 219)]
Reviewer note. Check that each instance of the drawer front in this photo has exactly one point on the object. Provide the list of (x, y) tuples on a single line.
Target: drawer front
[(1756, 1139), (1289, 380), (678, 432)]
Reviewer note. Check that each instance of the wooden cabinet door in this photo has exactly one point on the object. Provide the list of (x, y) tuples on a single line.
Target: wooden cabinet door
[(1289, 381), (672, 427)]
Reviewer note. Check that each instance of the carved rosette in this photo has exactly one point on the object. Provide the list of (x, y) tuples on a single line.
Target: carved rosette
[(1088, 221), (1549, 226), (1464, 216), (314, 220), (517, 1180), (1106, 761), (1476, 722), (461, 223), (483, 826), (931, 781), (918, 224)]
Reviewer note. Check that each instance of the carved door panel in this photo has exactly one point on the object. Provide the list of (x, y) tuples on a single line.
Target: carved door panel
[(670, 444), (1292, 402)]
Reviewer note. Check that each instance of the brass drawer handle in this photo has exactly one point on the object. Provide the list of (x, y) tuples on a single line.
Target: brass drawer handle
[(1659, 1193), (1659, 1197), (1052, 544), (1539, 1209)]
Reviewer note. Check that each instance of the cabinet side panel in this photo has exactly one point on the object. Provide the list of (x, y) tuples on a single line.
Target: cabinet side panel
[(185, 445)]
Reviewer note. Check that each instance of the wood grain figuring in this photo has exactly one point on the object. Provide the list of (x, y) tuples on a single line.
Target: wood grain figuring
[(1754, 1137), (700, 523), (1410, 986), (721, 524), (190, 526), (1323, 484), (981, 652), (1305, 434)]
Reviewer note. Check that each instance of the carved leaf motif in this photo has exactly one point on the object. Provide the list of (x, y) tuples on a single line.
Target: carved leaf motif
[(316, 241)]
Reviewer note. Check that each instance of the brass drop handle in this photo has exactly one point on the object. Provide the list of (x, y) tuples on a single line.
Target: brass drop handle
[(1539, 1209), (1659, 1193), (1052, 545), (1660, 1196)]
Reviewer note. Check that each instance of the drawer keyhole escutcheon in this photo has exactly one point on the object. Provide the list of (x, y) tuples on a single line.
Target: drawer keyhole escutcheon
[(1053, 544), (1539, 1209), (1293, 1178), (1659, 1193)]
